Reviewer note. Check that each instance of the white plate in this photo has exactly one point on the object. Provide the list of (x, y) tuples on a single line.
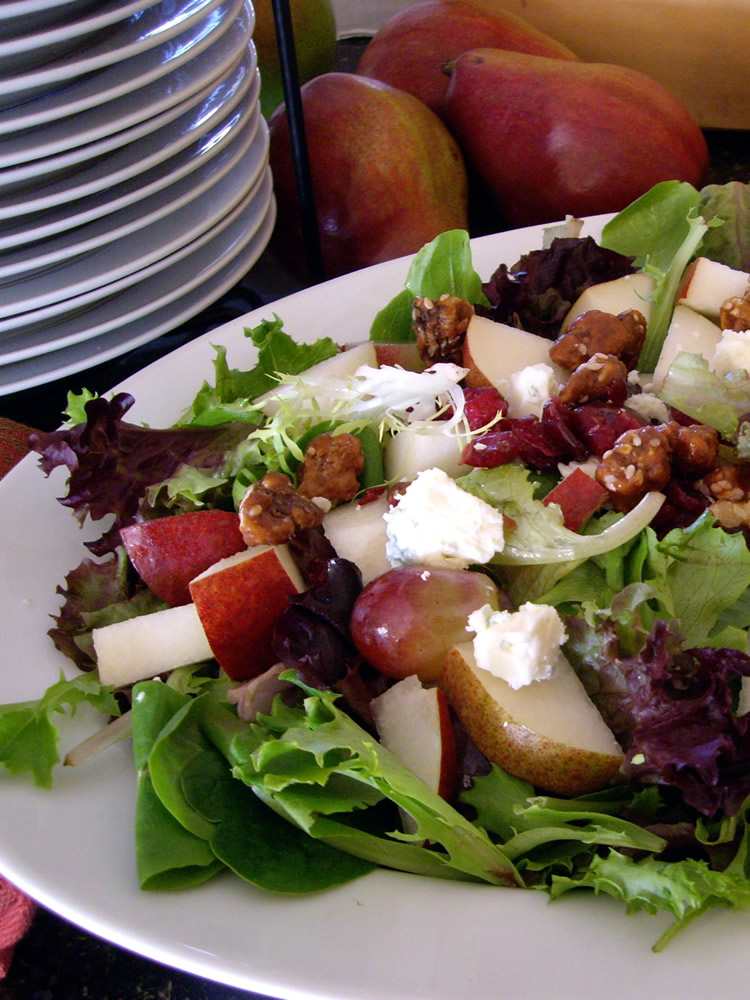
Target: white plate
[(20, 16), (159, 23), (135, 159), (219, 30), (17, 170), (72, 291), (27, 230), (142, 213), (120, 115), (51, 42), (159, 315), (387, 936), (84, 334)]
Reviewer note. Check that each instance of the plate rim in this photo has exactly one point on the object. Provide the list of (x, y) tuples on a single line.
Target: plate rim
[(397, 937)]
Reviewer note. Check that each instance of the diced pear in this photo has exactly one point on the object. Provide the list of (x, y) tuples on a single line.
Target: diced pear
[(358, 533), (632, 291), (548, 733), (689, 331), (707, 284), (494, 351), (413, 722), (140, 648), (239, 600), (404, 355), (168, 552), (416, 448)]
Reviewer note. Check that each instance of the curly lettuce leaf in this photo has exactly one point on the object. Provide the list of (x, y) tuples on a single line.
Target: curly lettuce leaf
[(729, 244), (696, 576), (686, 889), (539, 535), (112, 464), (234, 390), (96, 594), (315, 766), (28, 736), (525, 822), (671, 707), (717, 400), (538, 291)]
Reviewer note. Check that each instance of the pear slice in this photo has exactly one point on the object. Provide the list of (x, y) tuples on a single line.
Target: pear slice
[(631, 291), (494, 351), (548, 733), (358, 533)]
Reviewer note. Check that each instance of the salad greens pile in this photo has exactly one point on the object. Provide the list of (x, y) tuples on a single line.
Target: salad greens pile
[(305, 797)]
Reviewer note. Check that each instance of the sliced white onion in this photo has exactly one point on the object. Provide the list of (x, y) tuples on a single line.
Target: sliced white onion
[(569, 545)]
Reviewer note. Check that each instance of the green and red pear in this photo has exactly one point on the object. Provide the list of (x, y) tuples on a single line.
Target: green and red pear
[(314, 29), (411, 48), (387, 175), (168, 552), (554, 137)]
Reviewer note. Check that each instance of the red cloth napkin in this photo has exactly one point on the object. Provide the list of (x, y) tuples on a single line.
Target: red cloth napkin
[(16, 909), (16, 914)]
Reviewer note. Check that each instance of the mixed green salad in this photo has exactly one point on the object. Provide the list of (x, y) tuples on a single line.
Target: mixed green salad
[(304, 796)]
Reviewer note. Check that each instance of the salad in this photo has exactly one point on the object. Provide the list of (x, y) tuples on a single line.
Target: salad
[(647, 592)]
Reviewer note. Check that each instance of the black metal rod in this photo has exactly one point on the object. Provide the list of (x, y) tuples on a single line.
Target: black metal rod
[(295, 117)]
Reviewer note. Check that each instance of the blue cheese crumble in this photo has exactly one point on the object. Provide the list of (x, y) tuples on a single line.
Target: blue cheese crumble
[(437, 523)]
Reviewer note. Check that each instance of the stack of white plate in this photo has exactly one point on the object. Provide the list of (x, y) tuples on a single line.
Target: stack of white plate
[(134, 179)]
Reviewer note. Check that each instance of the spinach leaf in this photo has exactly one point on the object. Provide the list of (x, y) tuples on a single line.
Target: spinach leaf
[(441, 266)]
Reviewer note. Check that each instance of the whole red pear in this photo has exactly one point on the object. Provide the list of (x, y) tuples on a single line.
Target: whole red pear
[(411, 48), (550, 137), (387, 175)]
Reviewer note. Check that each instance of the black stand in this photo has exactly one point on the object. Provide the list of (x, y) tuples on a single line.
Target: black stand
[(290, 81)]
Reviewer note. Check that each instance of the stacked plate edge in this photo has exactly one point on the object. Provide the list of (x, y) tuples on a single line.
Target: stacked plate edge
[(134, 180)]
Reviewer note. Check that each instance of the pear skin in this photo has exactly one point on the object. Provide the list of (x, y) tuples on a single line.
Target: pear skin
[(551, 137), (314, 28), (411, 48), (387, 175), (548, 733)]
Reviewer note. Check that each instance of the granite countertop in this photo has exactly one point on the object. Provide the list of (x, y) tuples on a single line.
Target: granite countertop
[(57, 961)]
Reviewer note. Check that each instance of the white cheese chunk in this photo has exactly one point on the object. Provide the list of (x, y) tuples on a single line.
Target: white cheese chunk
[(437, 523), (648, 406), (518, 646), (732, 353), (527, 390)]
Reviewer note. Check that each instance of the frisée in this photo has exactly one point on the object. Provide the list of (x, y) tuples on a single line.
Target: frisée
[(316, 765)]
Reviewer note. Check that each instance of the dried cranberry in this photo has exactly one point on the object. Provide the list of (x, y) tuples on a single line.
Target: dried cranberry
[(482, 404), (682, 506), (497, 446), (600, 426), (560, 430)]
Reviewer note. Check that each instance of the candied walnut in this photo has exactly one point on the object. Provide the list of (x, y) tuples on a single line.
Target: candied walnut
[(271, 511), (636, 324), (440, 327), (331, 467), (695, 449), (727, 482), (597, 332), (731, 514), (639, 462), (593, 379), (734, 313)]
